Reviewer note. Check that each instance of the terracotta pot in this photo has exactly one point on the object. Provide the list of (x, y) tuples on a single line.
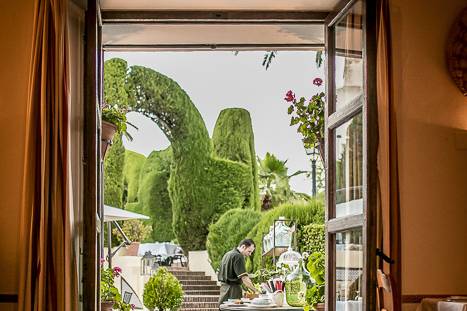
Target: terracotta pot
[(107, 305), (107, 134), (320, 307), (132, 249)]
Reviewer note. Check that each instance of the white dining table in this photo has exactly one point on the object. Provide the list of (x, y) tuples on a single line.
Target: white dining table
[(445, 304)]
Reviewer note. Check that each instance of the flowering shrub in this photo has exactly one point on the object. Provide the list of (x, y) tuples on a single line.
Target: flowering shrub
[(309, 116), (109, 293)]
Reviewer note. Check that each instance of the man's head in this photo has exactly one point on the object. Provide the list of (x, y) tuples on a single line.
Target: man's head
[(246, 247)]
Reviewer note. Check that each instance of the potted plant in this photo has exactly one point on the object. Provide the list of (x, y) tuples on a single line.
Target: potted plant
[(163, 291), (114, 121), (110, 297), (136, 231), (315, 294), (109, 293)]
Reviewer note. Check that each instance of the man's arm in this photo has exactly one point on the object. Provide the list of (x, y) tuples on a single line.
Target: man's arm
[(247, 282)]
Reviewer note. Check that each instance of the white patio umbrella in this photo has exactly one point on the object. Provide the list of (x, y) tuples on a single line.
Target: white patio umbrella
[(114, 214)]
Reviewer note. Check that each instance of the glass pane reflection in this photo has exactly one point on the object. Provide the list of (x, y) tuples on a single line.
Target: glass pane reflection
[(348, 60), (349, 167), (349, 270)]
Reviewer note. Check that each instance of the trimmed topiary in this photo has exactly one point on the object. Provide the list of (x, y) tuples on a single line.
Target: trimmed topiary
[(201, 187), (113, 177), (131, 175), (301, 213), (154, 196), (233, 139), (228, 231)]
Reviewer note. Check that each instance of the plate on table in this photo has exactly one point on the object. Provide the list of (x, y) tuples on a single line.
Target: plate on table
[(457, 298), (251, 305)]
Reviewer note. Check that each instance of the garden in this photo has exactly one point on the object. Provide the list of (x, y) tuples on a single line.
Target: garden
[(208, 192)]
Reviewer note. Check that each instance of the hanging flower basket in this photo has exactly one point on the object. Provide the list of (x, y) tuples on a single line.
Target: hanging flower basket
[(107, 134)]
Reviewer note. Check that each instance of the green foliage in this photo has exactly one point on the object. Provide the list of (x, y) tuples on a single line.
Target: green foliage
[(233, 139), (154, 196), (201, 187), (131, 175), (228, 231), (113, 173), (115, 105), (316, 267), (309, 116), (135, 230), (268, 57), (310, 238), (274, 182), (115, 86), (302, 214), (163, 291), (108, 291)]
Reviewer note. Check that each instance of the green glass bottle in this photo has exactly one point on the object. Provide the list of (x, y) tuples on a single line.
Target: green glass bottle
[(296, 284)]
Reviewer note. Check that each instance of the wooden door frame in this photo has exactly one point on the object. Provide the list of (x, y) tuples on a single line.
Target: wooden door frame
[(333, 119)]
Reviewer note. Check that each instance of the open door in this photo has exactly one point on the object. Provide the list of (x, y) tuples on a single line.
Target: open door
[(350, 131), (92, 198)]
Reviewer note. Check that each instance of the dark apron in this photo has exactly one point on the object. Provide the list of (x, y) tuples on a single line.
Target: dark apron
[(230, 291)]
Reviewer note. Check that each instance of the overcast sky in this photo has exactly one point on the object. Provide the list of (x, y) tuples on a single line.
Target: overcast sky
[(217, 80)]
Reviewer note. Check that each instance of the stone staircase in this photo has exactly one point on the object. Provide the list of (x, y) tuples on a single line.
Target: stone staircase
[(200, 292)]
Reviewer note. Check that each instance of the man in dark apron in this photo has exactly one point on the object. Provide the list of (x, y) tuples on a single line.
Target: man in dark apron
[(232, 272)]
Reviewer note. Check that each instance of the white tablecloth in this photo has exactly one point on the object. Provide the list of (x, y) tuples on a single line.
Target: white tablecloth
[(350, 305), (436, 304)]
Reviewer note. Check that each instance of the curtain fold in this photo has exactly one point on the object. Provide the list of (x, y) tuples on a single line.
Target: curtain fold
[(47, 265), (388, 196)]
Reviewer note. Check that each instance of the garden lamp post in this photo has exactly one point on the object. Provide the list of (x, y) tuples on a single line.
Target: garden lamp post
[(148, 262), (313, 152)]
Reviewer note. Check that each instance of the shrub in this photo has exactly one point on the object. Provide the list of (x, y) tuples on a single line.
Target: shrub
[(163, 291), (310, 238), (113, 173), (201, 187), (131, 175), (228, 231), (301, 213), (154, 194), (315, 266), (233, 139)]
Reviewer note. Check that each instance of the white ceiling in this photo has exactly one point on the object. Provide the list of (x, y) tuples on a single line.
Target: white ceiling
[(247, 34), (221, 5)]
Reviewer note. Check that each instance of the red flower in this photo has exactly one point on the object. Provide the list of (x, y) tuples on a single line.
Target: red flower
[(289, 96), (132, 306), (117, 271), (317, 81)]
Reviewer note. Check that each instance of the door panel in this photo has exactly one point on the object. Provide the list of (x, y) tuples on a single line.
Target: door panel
[(350, 131)]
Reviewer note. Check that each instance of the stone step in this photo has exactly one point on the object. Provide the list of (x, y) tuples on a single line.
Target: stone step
[(188, 273), (200, 287), (201, 292), (203, 298), (198, 305), (202, 309), (193, 278), (174, 268), (197, 282)]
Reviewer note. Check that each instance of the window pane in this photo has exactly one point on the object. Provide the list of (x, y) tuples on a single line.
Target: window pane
[(348, 60), (349, 270), (349, 167)]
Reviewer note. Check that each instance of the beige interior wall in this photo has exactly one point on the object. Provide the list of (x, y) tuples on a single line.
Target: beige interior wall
[(432, 133), (16, 20)]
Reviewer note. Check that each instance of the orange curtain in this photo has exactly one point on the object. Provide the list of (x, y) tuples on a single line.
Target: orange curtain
[(388, 209), (47, 265)]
